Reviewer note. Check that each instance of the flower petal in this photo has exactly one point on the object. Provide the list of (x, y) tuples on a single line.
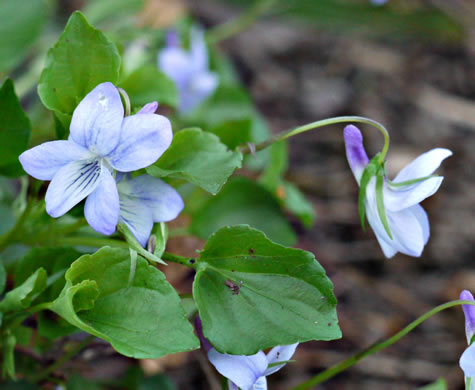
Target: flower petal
[(469, 312), (399, 199), (424, 165), (467, 361), (143, 140), (198, 50), (261, 384), (45, 160), (388, 250), (244, 371), (70, 185), (197, 90), (355, 152), (423, 219), (137, 217), (176, 64), (149, 108), (163, 200), (279, 354), (97, 120), (102, 205), (408, 228)]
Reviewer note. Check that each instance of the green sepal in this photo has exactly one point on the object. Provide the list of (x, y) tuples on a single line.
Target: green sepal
[(370, 171), (134, 244), (380, 202), (410, 182), (280, 362)]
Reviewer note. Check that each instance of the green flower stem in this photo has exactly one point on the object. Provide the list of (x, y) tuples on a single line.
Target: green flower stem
[(186, 261), (315, 125), (241, 23), (126, 99), (64, 359), (351, 361)]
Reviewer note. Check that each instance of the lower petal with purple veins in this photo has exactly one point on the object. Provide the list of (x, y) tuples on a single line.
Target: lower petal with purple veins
[(71, 184)]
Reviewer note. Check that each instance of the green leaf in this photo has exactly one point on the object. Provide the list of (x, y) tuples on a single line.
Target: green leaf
[(148, 84), (160, 381), (81, 59), (253, 294), (198, 157), (76, 382), (15, 131), (243, 201), (55, 261), (439, 384), (143, 320), (233, 133), (8, 347), (19, 29), (294, 201), (380, 202), (277, 166), (227, 103), (22, 296)]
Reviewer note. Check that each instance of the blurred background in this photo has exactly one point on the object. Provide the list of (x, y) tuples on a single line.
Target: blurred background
[(408, 64)]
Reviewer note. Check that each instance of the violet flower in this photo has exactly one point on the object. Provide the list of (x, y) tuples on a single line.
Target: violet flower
[(101, 140), (467, 360), (188, 69), (247, 372), (145, 200), (407, 220)]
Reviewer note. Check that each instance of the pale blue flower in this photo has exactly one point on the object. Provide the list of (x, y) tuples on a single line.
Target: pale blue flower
[(188, 69), (378, 2), (145, 200), (101, 140), (247, 372), (467, 360), (407, 220)]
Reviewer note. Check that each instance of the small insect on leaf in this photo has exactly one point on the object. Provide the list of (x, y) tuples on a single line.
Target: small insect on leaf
[(233, 287)]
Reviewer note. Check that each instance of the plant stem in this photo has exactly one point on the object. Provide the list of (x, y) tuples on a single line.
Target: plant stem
[(324, 122), (351, 361), (62, 360), (240, 23), (186, 261)]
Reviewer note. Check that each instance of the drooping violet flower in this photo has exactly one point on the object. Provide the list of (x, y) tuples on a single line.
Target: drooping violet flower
[(407, 220), (467, 360), (247, 372), (188, 69), (101, 140), (145, 200)]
